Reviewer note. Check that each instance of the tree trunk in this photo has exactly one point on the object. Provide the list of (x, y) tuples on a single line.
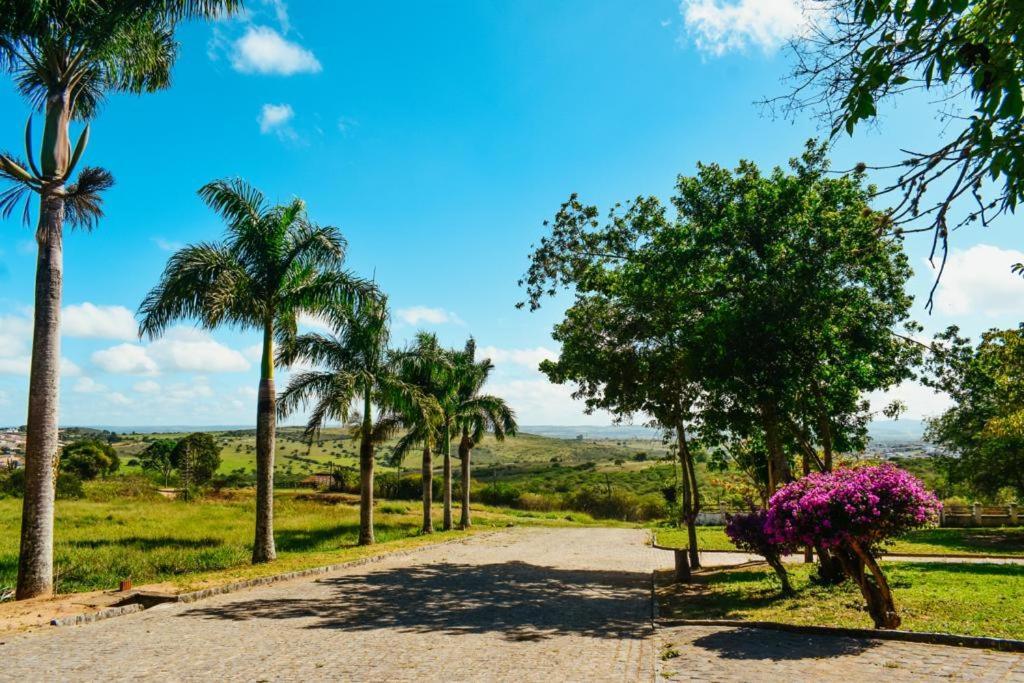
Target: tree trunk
[(35, 558), (263, 549), (778, 466), (683, 574), (780, 571), (875, 590), (690, 506), (447, 484), (465, 449), (366, 475), (427, 476)]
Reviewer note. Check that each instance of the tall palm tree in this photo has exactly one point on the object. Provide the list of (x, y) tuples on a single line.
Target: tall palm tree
[(427, 366), (475, 414), (66, 56), (273, 265), (356, 369)]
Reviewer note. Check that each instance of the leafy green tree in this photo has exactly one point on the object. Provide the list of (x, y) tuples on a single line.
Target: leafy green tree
[(475, 414), (984, 430), (273, 265), (197, 458), (158, 457), (89, 458), (66, 56), (357, 368), (868, 52)]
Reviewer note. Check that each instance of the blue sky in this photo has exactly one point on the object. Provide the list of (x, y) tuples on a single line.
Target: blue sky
[(438, 137)]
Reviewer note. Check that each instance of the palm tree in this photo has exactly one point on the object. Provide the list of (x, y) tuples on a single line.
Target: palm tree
[(357, 369), (273, 265), (66, 56), (427, 366), (475, 414)]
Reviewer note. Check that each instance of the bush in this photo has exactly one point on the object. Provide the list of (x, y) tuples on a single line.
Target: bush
[(500, 494), (69, 485), (122, 487), (853, 512), (537, 502), (409, 487), (747, 532), (615, 504), (89, 458)]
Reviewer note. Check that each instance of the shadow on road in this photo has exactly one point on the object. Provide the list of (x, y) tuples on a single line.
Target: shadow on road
[(760, 644), (522, 601)]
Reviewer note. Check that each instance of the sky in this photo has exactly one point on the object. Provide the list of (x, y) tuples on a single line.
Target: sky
[(437, 137)]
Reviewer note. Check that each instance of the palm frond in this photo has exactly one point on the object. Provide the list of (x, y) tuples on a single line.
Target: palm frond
[(240, 204), (82, 199)]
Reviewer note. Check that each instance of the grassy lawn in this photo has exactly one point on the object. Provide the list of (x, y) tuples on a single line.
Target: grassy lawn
[(967, 599), (997, 541), (153, 540)]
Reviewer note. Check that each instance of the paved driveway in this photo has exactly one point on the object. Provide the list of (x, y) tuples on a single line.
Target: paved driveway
[(523, 605)]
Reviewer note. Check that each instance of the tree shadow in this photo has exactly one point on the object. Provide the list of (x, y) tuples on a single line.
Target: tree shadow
[(521, 601), (147, 544), (763, 644)]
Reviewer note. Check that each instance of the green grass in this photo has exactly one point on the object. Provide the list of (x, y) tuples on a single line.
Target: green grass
[(968, 599), (152, 539), (979, 542)]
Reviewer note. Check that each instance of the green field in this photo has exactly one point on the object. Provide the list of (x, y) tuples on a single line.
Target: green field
[(968, 599), (979, 542), (152, 539)]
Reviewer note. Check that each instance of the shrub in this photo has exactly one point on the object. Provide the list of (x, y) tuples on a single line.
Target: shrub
[(853, 512), (69, 485), (537, 502), (89, 458), (615, 504), (747, 532), (500, 494)]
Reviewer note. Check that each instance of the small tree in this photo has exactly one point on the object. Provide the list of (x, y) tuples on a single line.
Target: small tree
[(158, 457), (853, 512), (747, 532), (196, 457), (89, 459)]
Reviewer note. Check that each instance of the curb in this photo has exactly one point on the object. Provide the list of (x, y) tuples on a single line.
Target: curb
[(981, 642), (154, 599), (953, 556)]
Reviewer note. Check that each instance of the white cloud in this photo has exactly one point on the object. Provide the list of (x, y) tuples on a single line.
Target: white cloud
[(254, 352), (180, 350), (263, 50), (424, 314), (125, 359), (538, 401), (921, 402), (146, 386), (117, 398), (87, 385), (720, 26), (275, 117), (15, 366), (98, 322), (529, 358), (978, 280), (167, 245), (15, 348), (280, 13)]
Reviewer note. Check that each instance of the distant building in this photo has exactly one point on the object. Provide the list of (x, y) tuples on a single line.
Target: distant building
[(10, 462), (320, 480)]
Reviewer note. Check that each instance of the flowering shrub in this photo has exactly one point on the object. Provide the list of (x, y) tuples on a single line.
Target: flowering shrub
[(851, 512), (747, 532), (865, 504)]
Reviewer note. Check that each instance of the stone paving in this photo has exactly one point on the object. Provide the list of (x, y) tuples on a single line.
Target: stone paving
[(522, 605)]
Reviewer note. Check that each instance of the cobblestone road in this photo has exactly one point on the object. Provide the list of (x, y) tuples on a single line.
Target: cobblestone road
[(524, 605)]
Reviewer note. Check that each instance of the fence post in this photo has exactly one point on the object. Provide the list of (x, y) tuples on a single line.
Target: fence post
[(1014, 520), (942, 516), (976, 513)]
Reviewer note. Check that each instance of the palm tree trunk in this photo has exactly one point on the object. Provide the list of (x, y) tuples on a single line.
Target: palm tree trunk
[(263, 549), (42, 441), (465, 448), (366, 475), (447, 479), (427, 477)]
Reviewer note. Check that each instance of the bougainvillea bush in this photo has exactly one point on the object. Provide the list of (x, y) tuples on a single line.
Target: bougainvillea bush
[(748, 533), (852, 512)]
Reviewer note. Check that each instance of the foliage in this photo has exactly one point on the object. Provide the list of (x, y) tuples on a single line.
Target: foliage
[(89, 458), (747, 532), (851, 512), (616, 504), (863, 505), (196, 457), (984, 429), (158, 457), (967, 54), (69, 485)]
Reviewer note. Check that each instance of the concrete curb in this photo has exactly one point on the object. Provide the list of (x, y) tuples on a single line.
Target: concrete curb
[(193, 596), (981, 642), (89, 617)]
